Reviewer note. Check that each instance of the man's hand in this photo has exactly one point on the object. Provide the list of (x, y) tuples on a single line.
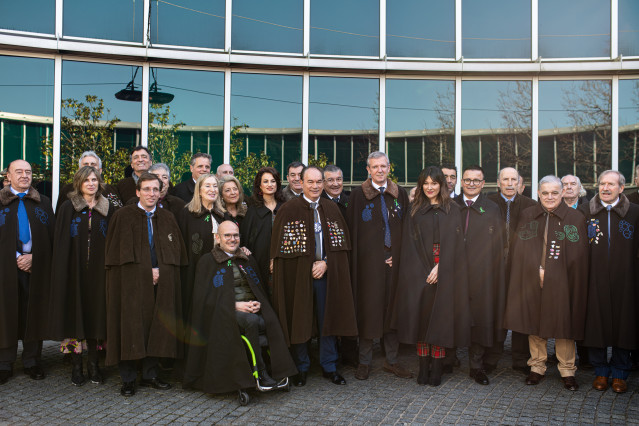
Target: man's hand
[(246, 251), (319, 269), (541, 277), (156, 275), (251, 307), (24, 262), (432, 277), (270, 267), (389, 261)]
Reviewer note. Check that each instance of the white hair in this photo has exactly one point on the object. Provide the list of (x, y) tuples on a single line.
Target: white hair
[(90, 154)]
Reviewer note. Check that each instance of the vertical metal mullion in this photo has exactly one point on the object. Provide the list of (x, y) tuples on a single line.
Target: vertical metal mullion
[(208, 143), (499, 154), (479, 151), (458, 33), (458, 135), (57, 114), (406, 161), (146, 31), (59, 7), (305, 107), (534, 27), (382, 29), (24, 141), (614, 126), (227, 25), (352, 162), (265, 144), (191, 141), (334, 150), (382, 113), (614, 30), (307, 27), (554, 145), (574, 153), (2, 144), (282, 155), (594, 156), (535, 137), (145, 103), (227, 116)]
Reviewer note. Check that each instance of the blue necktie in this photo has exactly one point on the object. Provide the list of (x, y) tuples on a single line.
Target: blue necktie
[(387, 235), (149, 225), (608, 208), (23, 221)]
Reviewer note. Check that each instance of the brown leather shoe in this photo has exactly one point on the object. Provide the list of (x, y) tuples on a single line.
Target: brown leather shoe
[(398, 370), (362, 372), (570, 383), (534, 378), (600, 383), (619, 385)]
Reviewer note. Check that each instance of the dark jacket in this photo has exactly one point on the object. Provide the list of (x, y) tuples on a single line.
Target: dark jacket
[(342, 200), (185, 190), (371, 290), (217, 360), (256, 233), (126, 189), (612, 316), (42, 223)]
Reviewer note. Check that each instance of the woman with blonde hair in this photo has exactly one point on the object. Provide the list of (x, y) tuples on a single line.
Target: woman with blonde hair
[(231, 200)]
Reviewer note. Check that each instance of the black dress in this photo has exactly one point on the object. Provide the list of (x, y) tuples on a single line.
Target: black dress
[(255, 234)]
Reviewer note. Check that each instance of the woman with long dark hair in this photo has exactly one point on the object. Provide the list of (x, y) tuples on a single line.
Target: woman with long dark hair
[(256, 228), (431, 306), (78, 290)]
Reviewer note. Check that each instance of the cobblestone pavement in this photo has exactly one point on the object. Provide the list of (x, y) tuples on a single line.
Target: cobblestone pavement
[(382, 399)]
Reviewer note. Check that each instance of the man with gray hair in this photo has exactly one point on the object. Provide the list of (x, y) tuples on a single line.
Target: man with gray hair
[(90, 158), (547, 294), (224, 170), (574, 192), (200, 165), (375, 218), (612, 318)]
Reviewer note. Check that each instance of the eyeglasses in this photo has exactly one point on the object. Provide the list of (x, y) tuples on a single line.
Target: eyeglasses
[(231, 236), (473, 181)]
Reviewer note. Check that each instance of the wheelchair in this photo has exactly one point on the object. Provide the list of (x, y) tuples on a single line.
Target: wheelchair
[(284, 384)]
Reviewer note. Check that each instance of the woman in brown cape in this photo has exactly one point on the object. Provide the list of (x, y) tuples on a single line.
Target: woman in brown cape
[(78, 294), (431, 306)]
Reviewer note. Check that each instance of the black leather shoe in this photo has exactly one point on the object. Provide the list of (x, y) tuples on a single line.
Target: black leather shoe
[(4, 376), (300, 378), (155, 383), (265, 380), (128, 389), (479, 376), (335, 377), (570, 383), (36, 372)]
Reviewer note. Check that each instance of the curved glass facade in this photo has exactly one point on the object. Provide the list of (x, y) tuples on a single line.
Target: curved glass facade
[(543, 85)]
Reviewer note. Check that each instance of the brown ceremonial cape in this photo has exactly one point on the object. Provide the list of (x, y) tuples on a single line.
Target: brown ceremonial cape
[(293, 251), (486, 268), (438, 313), (42, 224), (368, 268), (217, 360), (612, 313), (141, 323), (78, 288), (558, 310)]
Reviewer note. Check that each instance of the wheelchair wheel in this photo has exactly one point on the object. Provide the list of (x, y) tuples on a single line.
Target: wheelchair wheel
[(243, 397)]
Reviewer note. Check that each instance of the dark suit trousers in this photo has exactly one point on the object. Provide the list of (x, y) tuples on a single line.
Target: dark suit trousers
[(32, 350)]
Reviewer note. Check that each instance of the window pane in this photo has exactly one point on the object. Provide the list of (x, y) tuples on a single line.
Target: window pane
[(569, 29), (345, 27), (628, 31), (628, 129), (26, 110), (344, 111), (496, 127), (37, 16), (268, 26), (94, 119), (112, 20), (271, 107), (487, 34), (574, 128), (192, 122), (200, 23), (420, 28), (420, 125)]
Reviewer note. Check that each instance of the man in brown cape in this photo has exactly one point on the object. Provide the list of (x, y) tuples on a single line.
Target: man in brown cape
[(612, 318), (311, 276), (26, 237), (511, 203), (549, 281), (144, 251), (375, 217)]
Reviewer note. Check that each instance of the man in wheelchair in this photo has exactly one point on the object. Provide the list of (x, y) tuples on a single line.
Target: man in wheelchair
[(229, 301)]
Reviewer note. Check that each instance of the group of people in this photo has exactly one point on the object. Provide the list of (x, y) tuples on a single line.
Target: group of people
[(180, 276)]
